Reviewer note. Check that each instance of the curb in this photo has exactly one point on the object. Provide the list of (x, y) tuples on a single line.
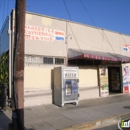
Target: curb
[(97, 123)]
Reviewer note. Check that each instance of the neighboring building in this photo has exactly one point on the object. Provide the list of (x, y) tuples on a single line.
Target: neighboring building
[(101, 55)]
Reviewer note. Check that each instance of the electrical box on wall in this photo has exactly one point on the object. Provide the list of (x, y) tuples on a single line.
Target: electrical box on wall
[(65, 85)]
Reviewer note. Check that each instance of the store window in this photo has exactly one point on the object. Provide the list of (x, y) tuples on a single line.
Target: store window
[(41, 60), (33, 60), (28, 59), (59, 61), (47, 60), (38, 60)]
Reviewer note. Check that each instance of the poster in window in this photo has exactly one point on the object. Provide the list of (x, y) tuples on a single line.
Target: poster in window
[(126, 79), (103, 78)]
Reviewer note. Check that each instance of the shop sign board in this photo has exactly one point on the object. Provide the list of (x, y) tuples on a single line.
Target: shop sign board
[(103, 81), (126, 78), (126, 47), (43, 34)]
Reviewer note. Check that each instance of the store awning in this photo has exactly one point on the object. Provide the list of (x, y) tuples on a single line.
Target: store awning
[(97, 55)]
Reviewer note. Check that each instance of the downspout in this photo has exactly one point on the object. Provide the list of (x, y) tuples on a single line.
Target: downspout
[(10, 61)]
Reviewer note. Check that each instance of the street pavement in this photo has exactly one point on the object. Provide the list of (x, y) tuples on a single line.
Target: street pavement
[(89, 114)]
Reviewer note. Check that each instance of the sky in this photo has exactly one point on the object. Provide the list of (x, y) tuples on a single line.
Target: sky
[(112, 15)]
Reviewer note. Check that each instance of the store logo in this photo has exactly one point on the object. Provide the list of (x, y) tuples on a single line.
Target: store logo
[(122, 124)]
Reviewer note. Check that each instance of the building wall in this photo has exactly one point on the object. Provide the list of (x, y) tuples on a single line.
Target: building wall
[(41, 40), (46, 44), (4, 37), (38, 77), (42, 77), (88, 82), (75, 35), (96, 39), (86, 74)]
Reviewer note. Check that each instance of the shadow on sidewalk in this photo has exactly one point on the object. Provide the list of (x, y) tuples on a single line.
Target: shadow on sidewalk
[(4, 119), (28, 129), (126, 107)]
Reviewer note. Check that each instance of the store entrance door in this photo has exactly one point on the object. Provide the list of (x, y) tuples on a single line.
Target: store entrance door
[(114, 79)]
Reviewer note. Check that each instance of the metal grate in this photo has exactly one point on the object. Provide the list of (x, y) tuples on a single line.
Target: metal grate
[(32, 60)]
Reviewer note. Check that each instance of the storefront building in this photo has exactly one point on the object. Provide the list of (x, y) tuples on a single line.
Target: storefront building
[(102, 56)]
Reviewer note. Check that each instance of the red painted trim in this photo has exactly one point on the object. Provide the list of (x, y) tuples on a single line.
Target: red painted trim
[(99, 58)]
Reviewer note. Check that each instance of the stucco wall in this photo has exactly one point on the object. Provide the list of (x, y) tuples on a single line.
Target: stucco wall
[(37, 77), (97, 39), (41, 78), (76, 35), (88, 76), (48, 26), (88, 82)]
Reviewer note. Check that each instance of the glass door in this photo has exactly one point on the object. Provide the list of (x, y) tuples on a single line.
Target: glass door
[(103, 81), (114, 79)]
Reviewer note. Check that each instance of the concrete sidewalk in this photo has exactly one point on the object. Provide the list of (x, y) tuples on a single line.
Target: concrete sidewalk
[(86, 116)]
